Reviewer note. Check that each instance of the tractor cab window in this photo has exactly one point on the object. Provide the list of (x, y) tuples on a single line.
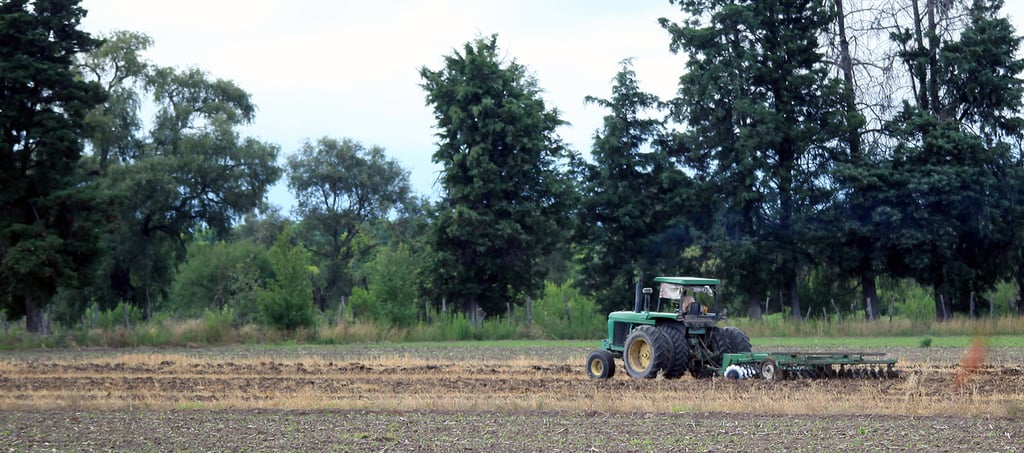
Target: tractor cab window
[(687, 299)]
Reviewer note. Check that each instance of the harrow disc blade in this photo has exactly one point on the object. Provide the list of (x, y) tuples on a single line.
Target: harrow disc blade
[(845, 371)]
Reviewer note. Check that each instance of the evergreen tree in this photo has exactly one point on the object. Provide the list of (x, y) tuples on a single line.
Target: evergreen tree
[(505, 200), (951, 199), (45, 242), (628, 193), (763, 121)]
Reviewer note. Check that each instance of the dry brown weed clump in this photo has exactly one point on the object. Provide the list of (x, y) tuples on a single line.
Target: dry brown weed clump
[(971, 362)]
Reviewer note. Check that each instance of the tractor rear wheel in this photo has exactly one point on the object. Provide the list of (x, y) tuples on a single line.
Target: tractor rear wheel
[(738, 339), (679, 357), (600, 365), (721, 340), (646, 352)]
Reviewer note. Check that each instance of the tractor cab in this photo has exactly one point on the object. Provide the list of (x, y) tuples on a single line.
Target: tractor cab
[(690, 298)]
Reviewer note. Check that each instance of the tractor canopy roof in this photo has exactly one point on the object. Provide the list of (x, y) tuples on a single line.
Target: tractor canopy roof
[(689, 281)]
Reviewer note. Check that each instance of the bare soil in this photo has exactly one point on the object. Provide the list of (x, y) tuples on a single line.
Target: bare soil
[(436, 398)]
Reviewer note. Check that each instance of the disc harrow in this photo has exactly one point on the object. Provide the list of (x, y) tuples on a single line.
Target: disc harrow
[(774, 366)]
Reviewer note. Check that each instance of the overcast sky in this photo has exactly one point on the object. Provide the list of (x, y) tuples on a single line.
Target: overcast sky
[(350, 69), (343, 68)]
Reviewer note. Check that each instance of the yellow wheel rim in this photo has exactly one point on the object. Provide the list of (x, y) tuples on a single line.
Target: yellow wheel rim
[(596, 367), (640, 354)]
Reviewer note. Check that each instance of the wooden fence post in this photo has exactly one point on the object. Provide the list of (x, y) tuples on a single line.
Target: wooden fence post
[(529, 312), (839, 313)]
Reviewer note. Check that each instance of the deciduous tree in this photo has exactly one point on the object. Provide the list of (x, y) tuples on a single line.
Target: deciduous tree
[(341, 188), (191, 171)]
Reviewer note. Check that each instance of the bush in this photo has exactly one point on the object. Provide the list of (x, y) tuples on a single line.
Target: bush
[(217, 325), (117, 317), (564, 313), (390, 298), (915, 303), (288, 303), (222, 274)]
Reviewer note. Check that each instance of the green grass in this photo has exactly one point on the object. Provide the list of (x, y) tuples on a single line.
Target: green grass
[(778, 326), (776, 331), (953, 341), (458, 344)]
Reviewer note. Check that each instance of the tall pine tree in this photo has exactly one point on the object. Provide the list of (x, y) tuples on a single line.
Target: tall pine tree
[(631, 196), (953, 193), (505, 197), (43, 103), (763, 119)]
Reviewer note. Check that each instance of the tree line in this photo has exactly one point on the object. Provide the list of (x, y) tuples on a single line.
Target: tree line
[(815, 150)]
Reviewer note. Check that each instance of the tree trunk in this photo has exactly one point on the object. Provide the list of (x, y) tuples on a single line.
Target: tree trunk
[(869, 293), (933, 63), (529, 312), (319, 298), (794, 297), (839, 313), (753, 308), (33, 316), (1020, 297), (920, 72), (473, 311), (846, 66)]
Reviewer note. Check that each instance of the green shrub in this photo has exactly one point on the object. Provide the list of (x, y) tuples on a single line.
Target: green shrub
[(287, 304), (216, 326), (1003, 298), (222, 274), (389, 297), (915, 303), (116, 317), (564, 313)]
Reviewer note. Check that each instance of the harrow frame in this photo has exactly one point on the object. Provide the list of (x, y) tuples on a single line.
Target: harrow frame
[(780, 365)]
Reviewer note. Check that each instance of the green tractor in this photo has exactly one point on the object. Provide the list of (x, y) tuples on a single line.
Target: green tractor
[(679, 335)]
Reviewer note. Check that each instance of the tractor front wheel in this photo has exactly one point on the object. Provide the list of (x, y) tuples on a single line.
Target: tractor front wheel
[(600, 365), (646, 352)]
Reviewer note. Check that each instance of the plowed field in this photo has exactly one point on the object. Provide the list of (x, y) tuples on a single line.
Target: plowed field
[(485, 398)]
